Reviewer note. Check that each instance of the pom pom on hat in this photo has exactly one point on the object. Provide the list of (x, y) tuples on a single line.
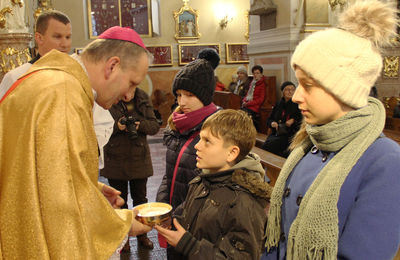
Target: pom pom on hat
[(123, 34), (198, 77), (346, 60), (211, 55)]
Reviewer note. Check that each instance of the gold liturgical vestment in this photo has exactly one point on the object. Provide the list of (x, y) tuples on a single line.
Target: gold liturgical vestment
[(50, 204)]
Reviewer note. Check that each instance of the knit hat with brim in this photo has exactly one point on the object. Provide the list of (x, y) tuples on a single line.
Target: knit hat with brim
[(241, 69), (197, 77), (287, 83), (346, 61)]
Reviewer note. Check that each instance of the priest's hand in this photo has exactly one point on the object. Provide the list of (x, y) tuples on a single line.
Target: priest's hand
[(112, 195), (138, 228), (173, 237)]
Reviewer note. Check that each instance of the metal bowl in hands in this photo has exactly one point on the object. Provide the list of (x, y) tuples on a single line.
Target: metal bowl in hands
[(154, 213)]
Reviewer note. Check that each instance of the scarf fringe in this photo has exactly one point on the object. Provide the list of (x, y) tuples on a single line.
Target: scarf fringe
[(273, 232), (310, 253)]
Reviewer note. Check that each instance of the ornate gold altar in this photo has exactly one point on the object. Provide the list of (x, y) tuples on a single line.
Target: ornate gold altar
[(14, 36), (13, 51)]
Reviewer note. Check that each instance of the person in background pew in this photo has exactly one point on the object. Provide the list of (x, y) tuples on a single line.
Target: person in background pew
[(224, 211), (219, 86), (255, 96), (284, 122), (243, 82), (194, 87), (337, 194), (233, 83)]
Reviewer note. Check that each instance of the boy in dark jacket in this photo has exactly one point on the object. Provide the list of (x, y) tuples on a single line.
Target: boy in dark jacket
[(224, 214)]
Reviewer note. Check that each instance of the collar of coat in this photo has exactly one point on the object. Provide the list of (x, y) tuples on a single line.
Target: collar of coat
[(247, 180)]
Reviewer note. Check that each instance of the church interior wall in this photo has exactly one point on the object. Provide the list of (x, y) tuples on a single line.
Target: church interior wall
[(270, 48), (162, 77)]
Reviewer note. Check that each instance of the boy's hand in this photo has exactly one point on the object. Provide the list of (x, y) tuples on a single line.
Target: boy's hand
[(173, 237), (138, 228)]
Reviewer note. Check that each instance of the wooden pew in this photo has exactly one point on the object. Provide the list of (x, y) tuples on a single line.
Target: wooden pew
[(392, 134), (392, 124), (260, 139), (272, 162), (227, 99)]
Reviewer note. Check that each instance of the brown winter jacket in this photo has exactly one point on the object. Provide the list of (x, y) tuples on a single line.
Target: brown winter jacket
[(224, 213), (124, 158)]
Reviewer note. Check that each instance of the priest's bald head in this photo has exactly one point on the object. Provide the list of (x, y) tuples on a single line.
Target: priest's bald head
[(116, 64)]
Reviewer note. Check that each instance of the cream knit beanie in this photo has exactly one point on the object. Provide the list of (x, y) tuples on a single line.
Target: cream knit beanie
[(346, 61)]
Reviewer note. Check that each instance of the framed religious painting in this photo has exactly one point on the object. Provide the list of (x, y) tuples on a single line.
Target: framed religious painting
[(103, 14), (236, 53), (188, 52), (162, 55), (186, 23), (136, 14)]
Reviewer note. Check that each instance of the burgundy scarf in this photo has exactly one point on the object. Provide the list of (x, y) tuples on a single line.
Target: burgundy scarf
[(185, 122)]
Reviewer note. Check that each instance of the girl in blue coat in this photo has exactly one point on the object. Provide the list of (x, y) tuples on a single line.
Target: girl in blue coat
[(338, 192)]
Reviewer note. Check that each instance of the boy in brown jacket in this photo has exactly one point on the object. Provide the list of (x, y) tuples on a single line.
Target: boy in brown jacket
[(223, 215)]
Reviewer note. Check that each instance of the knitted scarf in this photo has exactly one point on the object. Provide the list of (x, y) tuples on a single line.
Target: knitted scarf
[(314, 234), (185, 122)]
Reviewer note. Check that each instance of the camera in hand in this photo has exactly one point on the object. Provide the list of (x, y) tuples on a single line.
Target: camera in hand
[(128, 121)]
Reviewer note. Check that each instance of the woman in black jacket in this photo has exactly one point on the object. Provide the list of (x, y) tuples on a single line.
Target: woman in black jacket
[(284, 122), (193, 87)]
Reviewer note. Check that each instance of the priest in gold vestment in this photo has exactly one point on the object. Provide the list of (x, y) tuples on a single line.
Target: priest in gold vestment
[(51, 206)]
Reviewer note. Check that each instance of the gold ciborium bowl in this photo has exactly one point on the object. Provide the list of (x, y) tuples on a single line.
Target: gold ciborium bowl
[(154, 213)]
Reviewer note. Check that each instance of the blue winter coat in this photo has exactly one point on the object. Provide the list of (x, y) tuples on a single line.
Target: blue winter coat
[(368, 206)]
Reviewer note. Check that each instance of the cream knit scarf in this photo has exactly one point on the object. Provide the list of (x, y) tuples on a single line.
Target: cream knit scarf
[(314, 233)]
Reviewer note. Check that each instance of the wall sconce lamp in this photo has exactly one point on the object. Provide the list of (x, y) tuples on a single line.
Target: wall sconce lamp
[(224, 12), (224, 21)]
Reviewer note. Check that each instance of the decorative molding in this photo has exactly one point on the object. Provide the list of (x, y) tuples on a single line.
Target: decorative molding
[(3, 13), (391, 67), (274, 40), (14, 51), (334, 3), (12, 58), (262, 7), (43, 5), (247, 30)]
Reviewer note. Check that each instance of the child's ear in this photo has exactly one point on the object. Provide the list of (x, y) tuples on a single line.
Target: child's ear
[(233, 153)]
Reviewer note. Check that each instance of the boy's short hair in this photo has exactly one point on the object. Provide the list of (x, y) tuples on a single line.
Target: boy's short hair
[(235, 127)]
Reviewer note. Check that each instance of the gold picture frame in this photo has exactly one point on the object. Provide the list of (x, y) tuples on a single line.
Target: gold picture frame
[(188, 52), (103, 14), (236, 53), (186, 23), (162, 55)]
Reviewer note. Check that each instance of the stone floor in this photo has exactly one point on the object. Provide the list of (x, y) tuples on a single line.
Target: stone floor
[(158, 151)]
